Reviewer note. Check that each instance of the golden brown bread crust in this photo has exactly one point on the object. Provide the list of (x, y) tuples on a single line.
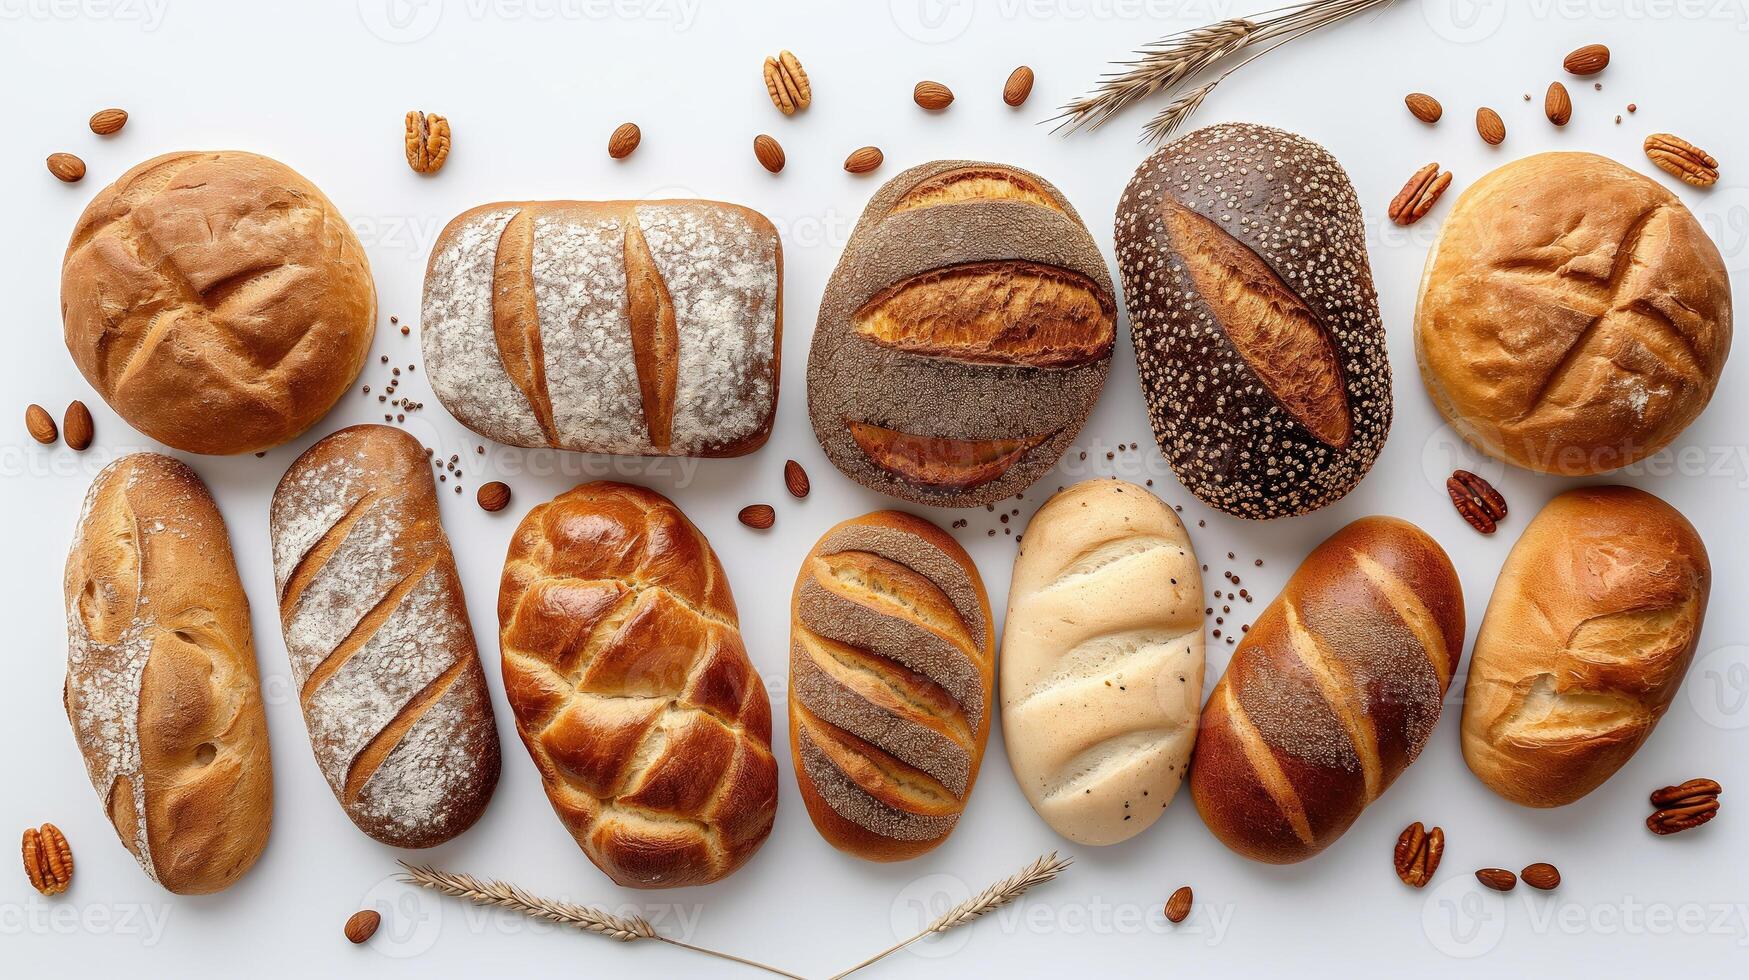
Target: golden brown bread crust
[(1592, 626), (1332, 694), (969, 322), (892, 665), (217, 301), (377, 629), (1258, 341), (624, 665), (161, 688), (1574, 316)]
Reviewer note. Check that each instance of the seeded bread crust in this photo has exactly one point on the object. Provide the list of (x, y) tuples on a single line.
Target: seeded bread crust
[(1256, 326)]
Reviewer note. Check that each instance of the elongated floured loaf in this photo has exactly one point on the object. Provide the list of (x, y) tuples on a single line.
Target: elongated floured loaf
[(648, 328), (1102, 660)]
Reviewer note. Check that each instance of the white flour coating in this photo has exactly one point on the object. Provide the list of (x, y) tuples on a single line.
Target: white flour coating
[(721, 276), (580, 293), (417, 785), (358, 575), (461, 347)]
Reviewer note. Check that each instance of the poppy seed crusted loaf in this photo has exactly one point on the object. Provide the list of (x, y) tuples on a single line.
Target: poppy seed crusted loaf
[(1256, 325)]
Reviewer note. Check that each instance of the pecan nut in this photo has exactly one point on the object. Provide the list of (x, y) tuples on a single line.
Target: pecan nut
[(1684, 807), (1418, 853), (48, 860), (427, 142), (1419, 195), (1476, 500), (1682, 159), (787, 83)]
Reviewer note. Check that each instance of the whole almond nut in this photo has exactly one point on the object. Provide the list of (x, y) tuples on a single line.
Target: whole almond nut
[(864, 160), (624, 140), (48, 860), (1558, 105), (363, 925), (795, 479), (108, 122), (427, 142), (67, 167), (759, 517), (933, 96), (1490, 126), (787, 83), (1541, 876), (769, 154), (1682, 159), (1499, 879), (76, 426), (1018, 86), (1424, 107), (1586, 61), (40, 424), (1178, 906), (493, 497)]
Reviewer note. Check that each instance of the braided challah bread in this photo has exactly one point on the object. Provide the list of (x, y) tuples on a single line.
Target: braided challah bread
[(624, 666)]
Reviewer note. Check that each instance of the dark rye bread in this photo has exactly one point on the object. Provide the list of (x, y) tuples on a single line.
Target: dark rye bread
[(892, 663), (1256, 325), (963, 337)]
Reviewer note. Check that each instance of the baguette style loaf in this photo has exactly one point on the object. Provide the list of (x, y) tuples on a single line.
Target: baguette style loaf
[(892, 664), (1593, 622), (1102, 660), (1332, 694), (644, 328), (381, 649), (161, 684), (632, 691)]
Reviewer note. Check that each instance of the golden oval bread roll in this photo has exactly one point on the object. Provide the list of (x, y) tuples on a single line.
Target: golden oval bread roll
[(1102, 660), (1593, 622)]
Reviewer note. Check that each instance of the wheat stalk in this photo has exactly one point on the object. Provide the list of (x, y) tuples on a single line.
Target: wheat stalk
[(503, 895), (1178, 58), (986, 901)]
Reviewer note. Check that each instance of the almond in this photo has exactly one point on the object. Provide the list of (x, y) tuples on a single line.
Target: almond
[(1499, 879), (108, 122), (76, 426), (1424, 107), (624, 140), (1558, 105), (1018, 86), (40, 424), (864, 160), (493, 497), (1491, 126), (933, 96), (1178, 906), (769, 154), (1542, 876), (363, 925), (758, 516), (795, 479), (67, 167), (1588, 60)]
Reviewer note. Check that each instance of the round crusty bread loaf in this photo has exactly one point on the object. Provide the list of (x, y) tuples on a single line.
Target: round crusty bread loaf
[(963, 338), (1102, 660), (1258, 340), (217, 301), (1574, 316), (892, 667), (162, 689), (1593, 623)]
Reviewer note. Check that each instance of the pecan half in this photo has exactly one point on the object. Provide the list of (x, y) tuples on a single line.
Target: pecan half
[(1418, 853), (48, 860), (427, 142), (1419, 195), (787, 83), (1682, 159), (1476, 500), (1684, 807)]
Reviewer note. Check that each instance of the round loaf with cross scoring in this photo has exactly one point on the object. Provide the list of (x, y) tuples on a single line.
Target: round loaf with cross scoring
[(624, 666), (1574, 316)]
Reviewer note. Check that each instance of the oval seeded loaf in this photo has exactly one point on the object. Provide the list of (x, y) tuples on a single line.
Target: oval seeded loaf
[(382, 653)]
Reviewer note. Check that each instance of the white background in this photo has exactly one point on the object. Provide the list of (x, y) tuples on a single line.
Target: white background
[(533, 90)]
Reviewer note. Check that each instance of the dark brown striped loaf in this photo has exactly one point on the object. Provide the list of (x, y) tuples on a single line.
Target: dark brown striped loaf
[(892, 664), (1332, 694)]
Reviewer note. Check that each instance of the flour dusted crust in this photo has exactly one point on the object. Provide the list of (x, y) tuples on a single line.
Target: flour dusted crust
[(634, 328), (382, 654)]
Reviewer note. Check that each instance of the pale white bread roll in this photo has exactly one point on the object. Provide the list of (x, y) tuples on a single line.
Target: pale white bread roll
[(1102, 660)]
